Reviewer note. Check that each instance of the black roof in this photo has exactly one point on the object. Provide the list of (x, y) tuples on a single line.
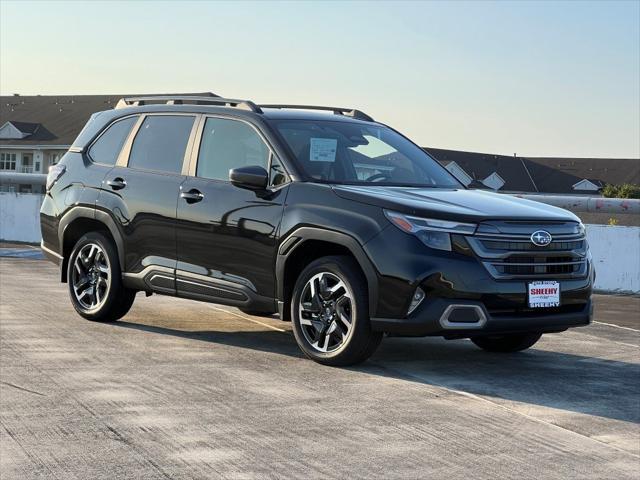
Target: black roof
[(284, 114)]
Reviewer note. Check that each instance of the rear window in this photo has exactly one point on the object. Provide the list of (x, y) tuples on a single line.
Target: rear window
[(161, 142), (108, 145)]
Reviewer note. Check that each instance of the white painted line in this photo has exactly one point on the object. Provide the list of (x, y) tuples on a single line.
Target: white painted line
[(248, 318), (617, 326)]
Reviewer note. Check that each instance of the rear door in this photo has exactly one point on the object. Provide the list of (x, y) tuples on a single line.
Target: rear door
[(226, 236), (143, 192)]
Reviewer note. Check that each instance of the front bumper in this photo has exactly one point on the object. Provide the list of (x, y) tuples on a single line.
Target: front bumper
[(434, 319)]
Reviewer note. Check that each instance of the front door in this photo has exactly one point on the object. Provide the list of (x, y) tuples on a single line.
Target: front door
[(27, 163), (226, 236)]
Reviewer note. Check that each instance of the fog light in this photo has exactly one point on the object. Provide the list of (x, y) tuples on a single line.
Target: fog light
[(418, 296)]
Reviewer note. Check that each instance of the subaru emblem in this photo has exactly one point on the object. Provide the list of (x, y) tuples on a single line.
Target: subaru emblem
[(541, 238)]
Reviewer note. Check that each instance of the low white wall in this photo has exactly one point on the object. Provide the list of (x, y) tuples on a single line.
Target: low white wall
[(615, 249), (616, 257), (20, 217)]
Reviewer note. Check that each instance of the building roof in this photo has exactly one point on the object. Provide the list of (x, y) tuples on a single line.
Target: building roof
[(60, 117), (559, 175), (543, 174), (481, 165)]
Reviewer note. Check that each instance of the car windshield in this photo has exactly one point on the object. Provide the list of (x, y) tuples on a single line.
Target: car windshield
[(356, 153)]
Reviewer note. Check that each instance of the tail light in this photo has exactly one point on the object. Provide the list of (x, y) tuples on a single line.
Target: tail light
[(55, 172)]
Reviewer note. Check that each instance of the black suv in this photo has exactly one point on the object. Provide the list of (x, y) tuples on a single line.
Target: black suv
[(336, 222)]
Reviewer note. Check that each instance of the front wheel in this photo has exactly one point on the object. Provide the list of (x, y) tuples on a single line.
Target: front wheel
[(330, 312), (94, 279), (507, 343)]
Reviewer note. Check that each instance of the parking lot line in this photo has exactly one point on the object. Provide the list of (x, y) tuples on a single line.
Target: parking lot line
[(617, 326), (247, 318)]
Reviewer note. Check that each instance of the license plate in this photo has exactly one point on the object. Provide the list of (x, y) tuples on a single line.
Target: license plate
[(544, 294)]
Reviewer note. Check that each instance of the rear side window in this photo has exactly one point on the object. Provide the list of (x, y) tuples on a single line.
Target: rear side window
[(228, 144), (108, 145), (161, 142)]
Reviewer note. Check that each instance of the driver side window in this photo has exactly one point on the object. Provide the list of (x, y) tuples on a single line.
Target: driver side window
[(228, 144)]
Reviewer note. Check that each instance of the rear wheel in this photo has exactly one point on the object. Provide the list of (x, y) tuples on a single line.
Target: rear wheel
[(330, 313), (507, 343), (95, 282)]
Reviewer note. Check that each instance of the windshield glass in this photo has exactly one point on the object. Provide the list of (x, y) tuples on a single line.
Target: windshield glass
[(355, 153)]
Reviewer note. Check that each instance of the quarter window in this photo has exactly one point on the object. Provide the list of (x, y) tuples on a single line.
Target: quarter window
[(228, 144), (161, 142), (277, 174), (107, 147)]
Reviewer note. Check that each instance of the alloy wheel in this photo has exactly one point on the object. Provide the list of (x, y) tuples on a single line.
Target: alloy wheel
[(91, 278), (325, 312)]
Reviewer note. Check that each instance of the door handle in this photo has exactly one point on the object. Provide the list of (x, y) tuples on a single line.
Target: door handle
[(117, 183), (192, 196)]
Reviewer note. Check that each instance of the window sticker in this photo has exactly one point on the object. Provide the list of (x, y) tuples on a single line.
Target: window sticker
[(323, 149)]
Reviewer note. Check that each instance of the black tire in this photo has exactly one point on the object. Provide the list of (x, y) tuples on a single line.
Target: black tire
[(359, 342), (116, 300), (507, 343)]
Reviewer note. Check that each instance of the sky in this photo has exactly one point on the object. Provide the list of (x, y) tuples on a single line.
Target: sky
[(533, 78)]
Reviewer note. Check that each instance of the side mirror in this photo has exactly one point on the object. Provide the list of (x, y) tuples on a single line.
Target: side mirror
[(252, 177)]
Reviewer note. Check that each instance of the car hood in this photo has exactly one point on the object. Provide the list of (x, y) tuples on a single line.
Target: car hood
[(454, 204)]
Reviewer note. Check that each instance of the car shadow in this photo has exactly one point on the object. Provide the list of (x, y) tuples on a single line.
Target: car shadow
[(577, 383)]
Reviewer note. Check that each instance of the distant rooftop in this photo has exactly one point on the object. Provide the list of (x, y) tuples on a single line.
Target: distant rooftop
[(54, 120), (542, 174)]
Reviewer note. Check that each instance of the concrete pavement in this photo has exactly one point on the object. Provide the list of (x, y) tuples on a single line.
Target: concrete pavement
[(181, 389)]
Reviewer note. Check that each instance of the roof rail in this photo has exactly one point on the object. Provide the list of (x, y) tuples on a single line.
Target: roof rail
[(350, 112), (181, 99)]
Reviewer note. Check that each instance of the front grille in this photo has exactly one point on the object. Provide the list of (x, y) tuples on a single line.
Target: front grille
[(542, 265), (527, 246), (506, 251)]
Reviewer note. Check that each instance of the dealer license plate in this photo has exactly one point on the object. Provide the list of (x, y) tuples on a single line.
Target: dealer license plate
[(544, 294)]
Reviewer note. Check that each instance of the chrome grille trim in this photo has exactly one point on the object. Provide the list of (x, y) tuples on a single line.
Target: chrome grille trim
[(567, 236), (513, 256)]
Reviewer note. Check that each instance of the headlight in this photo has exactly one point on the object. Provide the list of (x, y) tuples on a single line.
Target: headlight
[(432, 232)]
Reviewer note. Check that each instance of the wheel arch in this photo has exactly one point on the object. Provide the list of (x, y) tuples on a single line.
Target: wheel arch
[(79, 221), (306, 244)]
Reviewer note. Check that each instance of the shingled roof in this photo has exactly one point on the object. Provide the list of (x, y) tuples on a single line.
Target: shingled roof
[(558, 175), (542, 174), (60, 117), (481, 165)]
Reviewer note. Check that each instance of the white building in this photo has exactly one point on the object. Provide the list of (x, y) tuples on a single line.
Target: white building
[(35, 131), (22, 157)]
